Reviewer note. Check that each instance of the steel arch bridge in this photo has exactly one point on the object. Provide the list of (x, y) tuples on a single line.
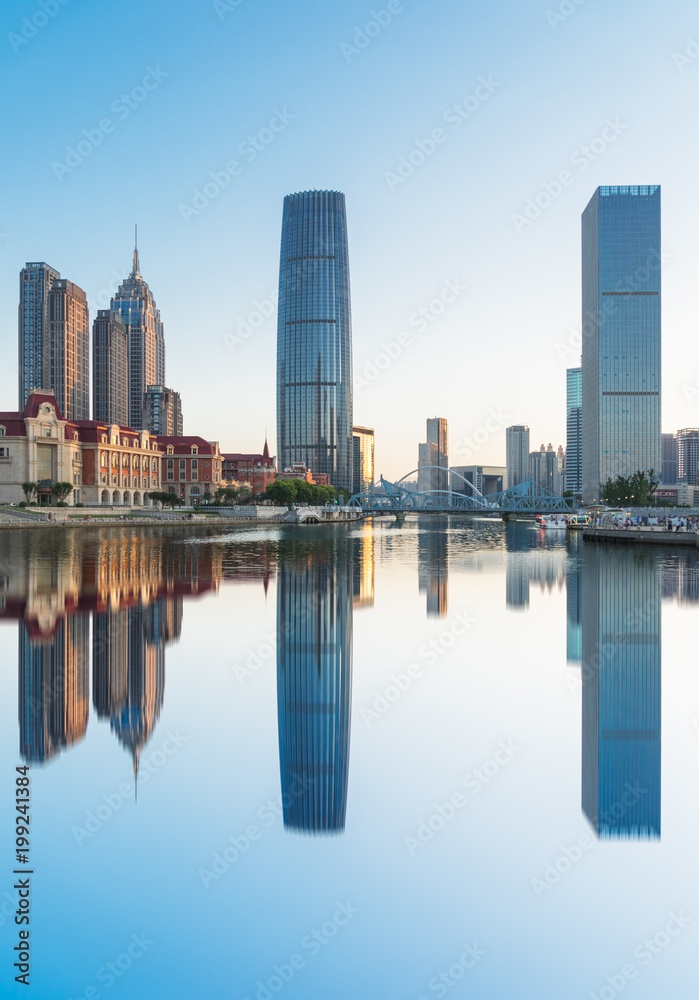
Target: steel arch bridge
[(393, 498)]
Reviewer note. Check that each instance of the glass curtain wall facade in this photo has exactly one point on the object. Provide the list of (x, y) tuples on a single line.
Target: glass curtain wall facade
[(688, 455), (573, 473), (314, 337), (621, 290), (670, 460), (35, 282), (362, 459)]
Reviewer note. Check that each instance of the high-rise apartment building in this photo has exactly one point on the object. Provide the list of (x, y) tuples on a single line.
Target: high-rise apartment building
[(573, 472), (546, 471), (68, 362), (688, 455), (110, 387), (54, 339), (162, 411), (670, 457), (314, 337), (135, 303), (517, 447), (621, 286), (35, 282), (362, 459)]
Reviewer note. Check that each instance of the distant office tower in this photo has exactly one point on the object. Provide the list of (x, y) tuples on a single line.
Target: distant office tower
[(621, 267), (438, 435), (670, 457), (110, 387), (517, 438), (314, 684), (35, 282), (427, 458), (621, 676), (53, 688), (54, 339), (688, 455), (314, 338), (573, 475), (545, 469), (135, 303), (362, 458), (162, 411)]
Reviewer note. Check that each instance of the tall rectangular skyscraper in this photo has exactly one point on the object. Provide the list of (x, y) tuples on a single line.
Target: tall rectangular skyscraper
[(67, 365), (438, 436), (35, 282), (573, 474), (110, 386), (314, 337), (517, 448), (621, 288)]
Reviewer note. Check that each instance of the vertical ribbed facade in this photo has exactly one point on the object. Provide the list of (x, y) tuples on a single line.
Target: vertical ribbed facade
[(314, 686), (621, 335), (517, 438), (314, 337), (110, 392), (621, 676)]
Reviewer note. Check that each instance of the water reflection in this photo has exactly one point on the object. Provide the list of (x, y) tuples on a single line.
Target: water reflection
[(621, 680), (314, 678), (433, 565)]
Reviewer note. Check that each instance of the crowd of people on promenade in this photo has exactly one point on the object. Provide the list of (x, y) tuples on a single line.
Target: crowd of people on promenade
[(675, 522)]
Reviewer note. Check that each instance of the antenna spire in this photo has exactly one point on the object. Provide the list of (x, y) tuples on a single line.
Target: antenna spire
[(135, 250)]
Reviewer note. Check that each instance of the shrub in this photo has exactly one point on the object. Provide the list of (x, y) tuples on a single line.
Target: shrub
[(62, 503), (22, 503)]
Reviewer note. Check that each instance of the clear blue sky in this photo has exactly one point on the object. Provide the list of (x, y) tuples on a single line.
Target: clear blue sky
[(219, 74)]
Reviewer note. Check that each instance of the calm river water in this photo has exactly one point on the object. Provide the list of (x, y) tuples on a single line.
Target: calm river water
[(353, 763)]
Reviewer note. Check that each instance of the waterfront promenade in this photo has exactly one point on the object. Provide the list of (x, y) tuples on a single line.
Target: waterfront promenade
[(653, 535)]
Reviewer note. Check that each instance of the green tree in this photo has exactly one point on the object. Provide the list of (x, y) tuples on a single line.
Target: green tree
[(166, 499), (61, 490), (29, 489), (282, 491)]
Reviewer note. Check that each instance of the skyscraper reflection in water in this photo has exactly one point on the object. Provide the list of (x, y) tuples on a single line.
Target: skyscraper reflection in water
[(621, 678), (314, 679), (433, 565)]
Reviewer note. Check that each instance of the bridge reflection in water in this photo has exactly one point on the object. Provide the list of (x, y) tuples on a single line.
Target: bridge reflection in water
[(463, 497)]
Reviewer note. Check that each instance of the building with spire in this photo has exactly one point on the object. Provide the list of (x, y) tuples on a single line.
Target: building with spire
[(146, 340), (256, 470)]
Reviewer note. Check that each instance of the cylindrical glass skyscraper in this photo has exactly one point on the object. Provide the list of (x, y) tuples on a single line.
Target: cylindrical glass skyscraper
[(314, 338)]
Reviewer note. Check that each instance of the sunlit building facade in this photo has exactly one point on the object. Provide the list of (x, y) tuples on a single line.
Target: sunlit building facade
[(362, 459)]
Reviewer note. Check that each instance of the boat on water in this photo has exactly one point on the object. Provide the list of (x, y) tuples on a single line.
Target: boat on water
[(553, 522), (576, 522), (330, 514)]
